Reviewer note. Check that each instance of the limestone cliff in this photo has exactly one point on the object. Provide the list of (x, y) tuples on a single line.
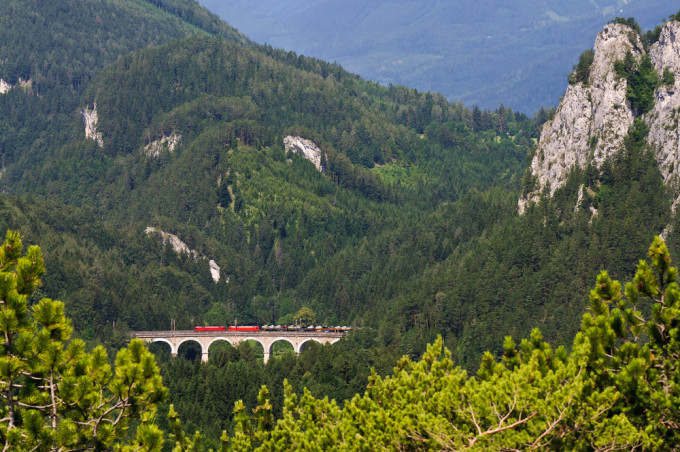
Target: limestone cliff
[(90, 119), (180, 247), (4, 86), (594, 116), (663, 120), (306, 148)]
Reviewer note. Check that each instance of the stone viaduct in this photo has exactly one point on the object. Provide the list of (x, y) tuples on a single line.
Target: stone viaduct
[(175, 338)]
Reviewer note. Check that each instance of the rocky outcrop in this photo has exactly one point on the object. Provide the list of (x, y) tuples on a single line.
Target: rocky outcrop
[(90, 118), (664, 119), (591, 121), (170, 143), (306, 148), (4, 86), (594, 118), (180, 247)]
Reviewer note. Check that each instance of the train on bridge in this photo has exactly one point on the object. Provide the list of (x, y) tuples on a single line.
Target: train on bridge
[(283, 328)]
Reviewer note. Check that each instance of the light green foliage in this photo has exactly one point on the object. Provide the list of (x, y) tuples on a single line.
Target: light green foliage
[(53, 394), (638, 353), (305, 316), (617, 389), (394, 174)]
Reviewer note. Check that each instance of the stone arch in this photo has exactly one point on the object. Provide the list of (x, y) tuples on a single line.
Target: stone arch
[(301, 344), (162, 350), (219, 341), (270, 348), (262, 341), (224, 339), (202, 350), (173, 350)]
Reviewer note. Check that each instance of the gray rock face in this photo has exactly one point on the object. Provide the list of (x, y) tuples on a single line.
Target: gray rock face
[(90, 119), (664, 119), (180, 247), (304, 147), (593, 119), (4, 86), (154, 148)]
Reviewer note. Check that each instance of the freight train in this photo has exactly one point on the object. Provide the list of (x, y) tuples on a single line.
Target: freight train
[(284, 328)]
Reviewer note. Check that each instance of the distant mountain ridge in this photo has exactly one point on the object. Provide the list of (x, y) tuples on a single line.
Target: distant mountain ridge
[(483, 53)]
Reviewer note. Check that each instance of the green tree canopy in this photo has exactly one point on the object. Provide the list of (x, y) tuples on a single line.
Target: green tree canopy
[(53, 394), (617, 389), (581, 71), (305, 316)]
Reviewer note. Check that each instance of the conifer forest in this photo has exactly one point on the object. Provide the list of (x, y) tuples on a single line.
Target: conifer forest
[(127, 126)]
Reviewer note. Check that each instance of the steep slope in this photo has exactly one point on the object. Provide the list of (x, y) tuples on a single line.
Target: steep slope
[(50, 51), (275, 215), (620, 97), (663, 120)]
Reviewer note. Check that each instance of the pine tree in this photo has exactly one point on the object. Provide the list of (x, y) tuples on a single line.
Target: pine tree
[(617, 389), (53, 394)]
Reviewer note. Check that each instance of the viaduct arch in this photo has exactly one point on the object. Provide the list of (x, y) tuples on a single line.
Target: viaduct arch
[(266, 338)]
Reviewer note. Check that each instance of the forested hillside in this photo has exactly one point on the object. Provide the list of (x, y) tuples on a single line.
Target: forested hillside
[(50, 52), (408, 230), (616, 388)]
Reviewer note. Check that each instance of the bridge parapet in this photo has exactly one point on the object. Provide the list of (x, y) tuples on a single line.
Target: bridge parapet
[(175, 338)]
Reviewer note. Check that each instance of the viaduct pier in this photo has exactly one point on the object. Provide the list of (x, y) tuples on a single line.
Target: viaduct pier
[(175, 338)]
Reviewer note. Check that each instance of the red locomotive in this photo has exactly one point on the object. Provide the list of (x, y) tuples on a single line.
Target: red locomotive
[(209, 328), (244, 328)]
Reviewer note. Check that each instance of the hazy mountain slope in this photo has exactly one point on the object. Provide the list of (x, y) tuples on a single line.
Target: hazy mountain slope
[(483, 53), (49, 43)]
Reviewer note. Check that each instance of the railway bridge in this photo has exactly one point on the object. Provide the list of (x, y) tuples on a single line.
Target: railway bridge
[(175, 338)]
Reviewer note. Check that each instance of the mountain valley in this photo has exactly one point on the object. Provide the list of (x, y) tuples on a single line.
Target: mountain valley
[(171, 169)]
